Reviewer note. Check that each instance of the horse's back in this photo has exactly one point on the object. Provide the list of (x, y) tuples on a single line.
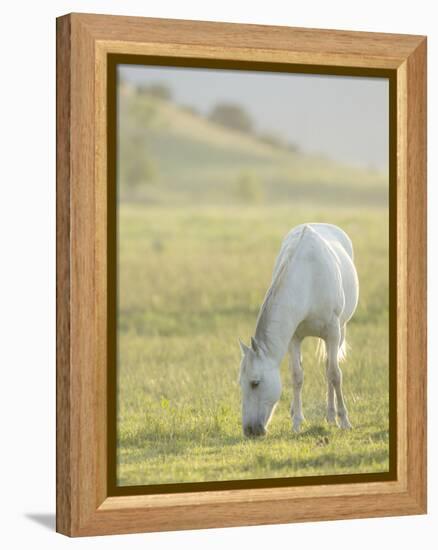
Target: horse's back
[(333, 234), (330, 251)]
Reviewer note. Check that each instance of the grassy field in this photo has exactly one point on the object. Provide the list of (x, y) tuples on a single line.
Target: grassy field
[(191, 282)]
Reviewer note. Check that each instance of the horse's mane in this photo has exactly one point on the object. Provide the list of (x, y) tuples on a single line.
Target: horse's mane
[(277, 280)]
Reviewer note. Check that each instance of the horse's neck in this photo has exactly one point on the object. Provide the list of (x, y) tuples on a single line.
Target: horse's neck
[(277, 322)]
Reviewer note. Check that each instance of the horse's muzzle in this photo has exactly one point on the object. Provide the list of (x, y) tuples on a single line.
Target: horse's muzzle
[(257, 430)]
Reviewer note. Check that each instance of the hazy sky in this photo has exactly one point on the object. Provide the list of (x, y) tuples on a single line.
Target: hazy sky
[(344, 118)]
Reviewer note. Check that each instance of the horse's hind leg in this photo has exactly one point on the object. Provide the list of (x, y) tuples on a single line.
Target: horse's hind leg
[(297, 373), (331, 409), (334, 377)]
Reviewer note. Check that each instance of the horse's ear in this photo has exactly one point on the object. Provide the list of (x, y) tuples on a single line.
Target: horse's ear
[(254, 345), (243, 348)]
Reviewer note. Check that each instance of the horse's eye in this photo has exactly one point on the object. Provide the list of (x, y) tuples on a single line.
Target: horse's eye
[(254, 383)]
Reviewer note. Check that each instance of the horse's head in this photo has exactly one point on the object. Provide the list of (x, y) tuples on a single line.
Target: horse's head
[(260, 385)]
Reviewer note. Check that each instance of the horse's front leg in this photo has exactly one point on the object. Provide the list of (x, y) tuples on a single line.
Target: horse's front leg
[(297, 373)]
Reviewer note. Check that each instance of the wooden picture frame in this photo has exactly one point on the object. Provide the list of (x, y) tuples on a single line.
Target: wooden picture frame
[(86, 505)]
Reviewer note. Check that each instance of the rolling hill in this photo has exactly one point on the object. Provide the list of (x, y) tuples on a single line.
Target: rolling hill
[(169, 154)]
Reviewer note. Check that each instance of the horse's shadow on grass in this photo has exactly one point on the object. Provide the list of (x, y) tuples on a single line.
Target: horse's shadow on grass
[(153, 445), (317, 430), (352, 461), (184, 443)]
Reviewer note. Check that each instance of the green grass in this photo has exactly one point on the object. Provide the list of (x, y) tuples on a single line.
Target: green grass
[(191, 281)]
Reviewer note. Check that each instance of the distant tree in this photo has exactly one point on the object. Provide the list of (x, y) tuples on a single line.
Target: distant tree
[(273, 140), (190, 109), (232, 116), (277, 141), (136, 167), (293, 147), (249, 187), (158, 89)]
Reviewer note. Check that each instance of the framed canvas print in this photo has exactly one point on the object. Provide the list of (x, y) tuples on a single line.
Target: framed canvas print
[(241, 274)]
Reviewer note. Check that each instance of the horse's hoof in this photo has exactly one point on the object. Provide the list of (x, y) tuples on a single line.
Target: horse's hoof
[(297, 425), (331, 420), (344, 424)]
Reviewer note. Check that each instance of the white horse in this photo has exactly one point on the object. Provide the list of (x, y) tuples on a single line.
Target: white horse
[(314, 292)]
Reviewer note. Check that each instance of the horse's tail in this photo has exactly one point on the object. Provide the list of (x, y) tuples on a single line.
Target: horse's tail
[(342, 351), (321, 351)]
